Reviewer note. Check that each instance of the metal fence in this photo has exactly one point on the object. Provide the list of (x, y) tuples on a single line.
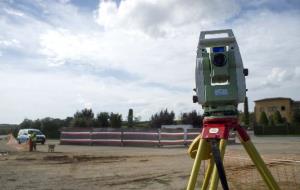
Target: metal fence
[(127, 137)]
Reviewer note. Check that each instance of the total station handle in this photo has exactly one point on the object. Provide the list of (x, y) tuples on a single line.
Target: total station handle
[(210, 42)]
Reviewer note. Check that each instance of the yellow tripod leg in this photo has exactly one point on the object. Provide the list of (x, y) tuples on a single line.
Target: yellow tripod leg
[(215, 176), (208, 174), (260, 165), (196, 165)]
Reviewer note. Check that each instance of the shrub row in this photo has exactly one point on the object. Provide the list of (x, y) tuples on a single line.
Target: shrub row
[(282, 129)]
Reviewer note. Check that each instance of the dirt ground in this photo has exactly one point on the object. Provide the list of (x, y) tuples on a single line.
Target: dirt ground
[(96, 167)]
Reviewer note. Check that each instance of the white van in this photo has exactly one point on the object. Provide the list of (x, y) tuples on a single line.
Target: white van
[(23, 135)]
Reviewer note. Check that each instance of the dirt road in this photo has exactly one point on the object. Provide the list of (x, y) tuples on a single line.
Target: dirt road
[(85, 167)]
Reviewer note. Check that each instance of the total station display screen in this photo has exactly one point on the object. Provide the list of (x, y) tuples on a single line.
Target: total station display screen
[(218, 49)]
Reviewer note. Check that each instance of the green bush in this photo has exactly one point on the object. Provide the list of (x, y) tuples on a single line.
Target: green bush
[(280, 129), (263, 119)]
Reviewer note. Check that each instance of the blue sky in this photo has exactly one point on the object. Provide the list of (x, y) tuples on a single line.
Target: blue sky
[(57, 57)]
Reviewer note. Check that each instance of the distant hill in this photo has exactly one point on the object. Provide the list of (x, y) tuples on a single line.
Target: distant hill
[(7, 128)]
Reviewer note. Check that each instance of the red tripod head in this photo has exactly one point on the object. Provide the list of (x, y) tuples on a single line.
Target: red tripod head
[(219, 128)]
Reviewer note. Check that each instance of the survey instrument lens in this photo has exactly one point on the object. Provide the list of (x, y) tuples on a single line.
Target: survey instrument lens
[(219, 60)]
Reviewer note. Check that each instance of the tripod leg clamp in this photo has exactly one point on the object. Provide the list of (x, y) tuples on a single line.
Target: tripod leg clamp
[(192, 151)]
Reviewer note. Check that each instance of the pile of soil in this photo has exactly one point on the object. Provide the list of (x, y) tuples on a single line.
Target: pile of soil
[(10, 144)]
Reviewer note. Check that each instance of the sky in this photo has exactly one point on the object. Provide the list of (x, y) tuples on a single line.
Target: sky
[(60, 56)]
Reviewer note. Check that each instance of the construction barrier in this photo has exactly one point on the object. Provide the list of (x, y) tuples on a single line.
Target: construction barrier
[(135, 137), (172, 137), (127, 137), (192, 134), (108, 137), (78, 136)]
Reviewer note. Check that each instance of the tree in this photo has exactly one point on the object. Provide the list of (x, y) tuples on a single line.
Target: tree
[(263, 119), (164, 117), (137, 119), (277, 118), (252, 121), (192, 118), (130, 118), (50, 127), (37, 124), (85, 113), (67, 121), (26, 124), (246, 112), (115, 120), (296, 116), (102, 119), (242, 119), (83, 118), (271, 120)]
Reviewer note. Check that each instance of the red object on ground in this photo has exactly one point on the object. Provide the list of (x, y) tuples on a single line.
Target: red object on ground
[(218, 128), (30, 145)]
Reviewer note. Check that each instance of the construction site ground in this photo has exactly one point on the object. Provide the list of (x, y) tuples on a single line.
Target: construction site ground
[(73, 167)]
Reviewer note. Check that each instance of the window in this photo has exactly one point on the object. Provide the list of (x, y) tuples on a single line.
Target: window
[(282, 108)]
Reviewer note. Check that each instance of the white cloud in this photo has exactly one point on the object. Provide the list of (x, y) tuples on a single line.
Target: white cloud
[(9, 43), (60, 45), (154, 41), (278, 77), (21, 33), (36, 95), (159, 18), (14, 12), (269, 44), (85, 103)]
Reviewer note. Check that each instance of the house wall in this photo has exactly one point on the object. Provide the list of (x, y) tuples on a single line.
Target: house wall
[(284, 106)]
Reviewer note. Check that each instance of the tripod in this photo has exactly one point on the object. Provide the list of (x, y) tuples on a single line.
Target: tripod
[(211, 145)]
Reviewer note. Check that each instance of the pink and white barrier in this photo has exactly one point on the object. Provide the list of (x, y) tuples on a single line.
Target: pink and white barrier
[(128, 138)]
